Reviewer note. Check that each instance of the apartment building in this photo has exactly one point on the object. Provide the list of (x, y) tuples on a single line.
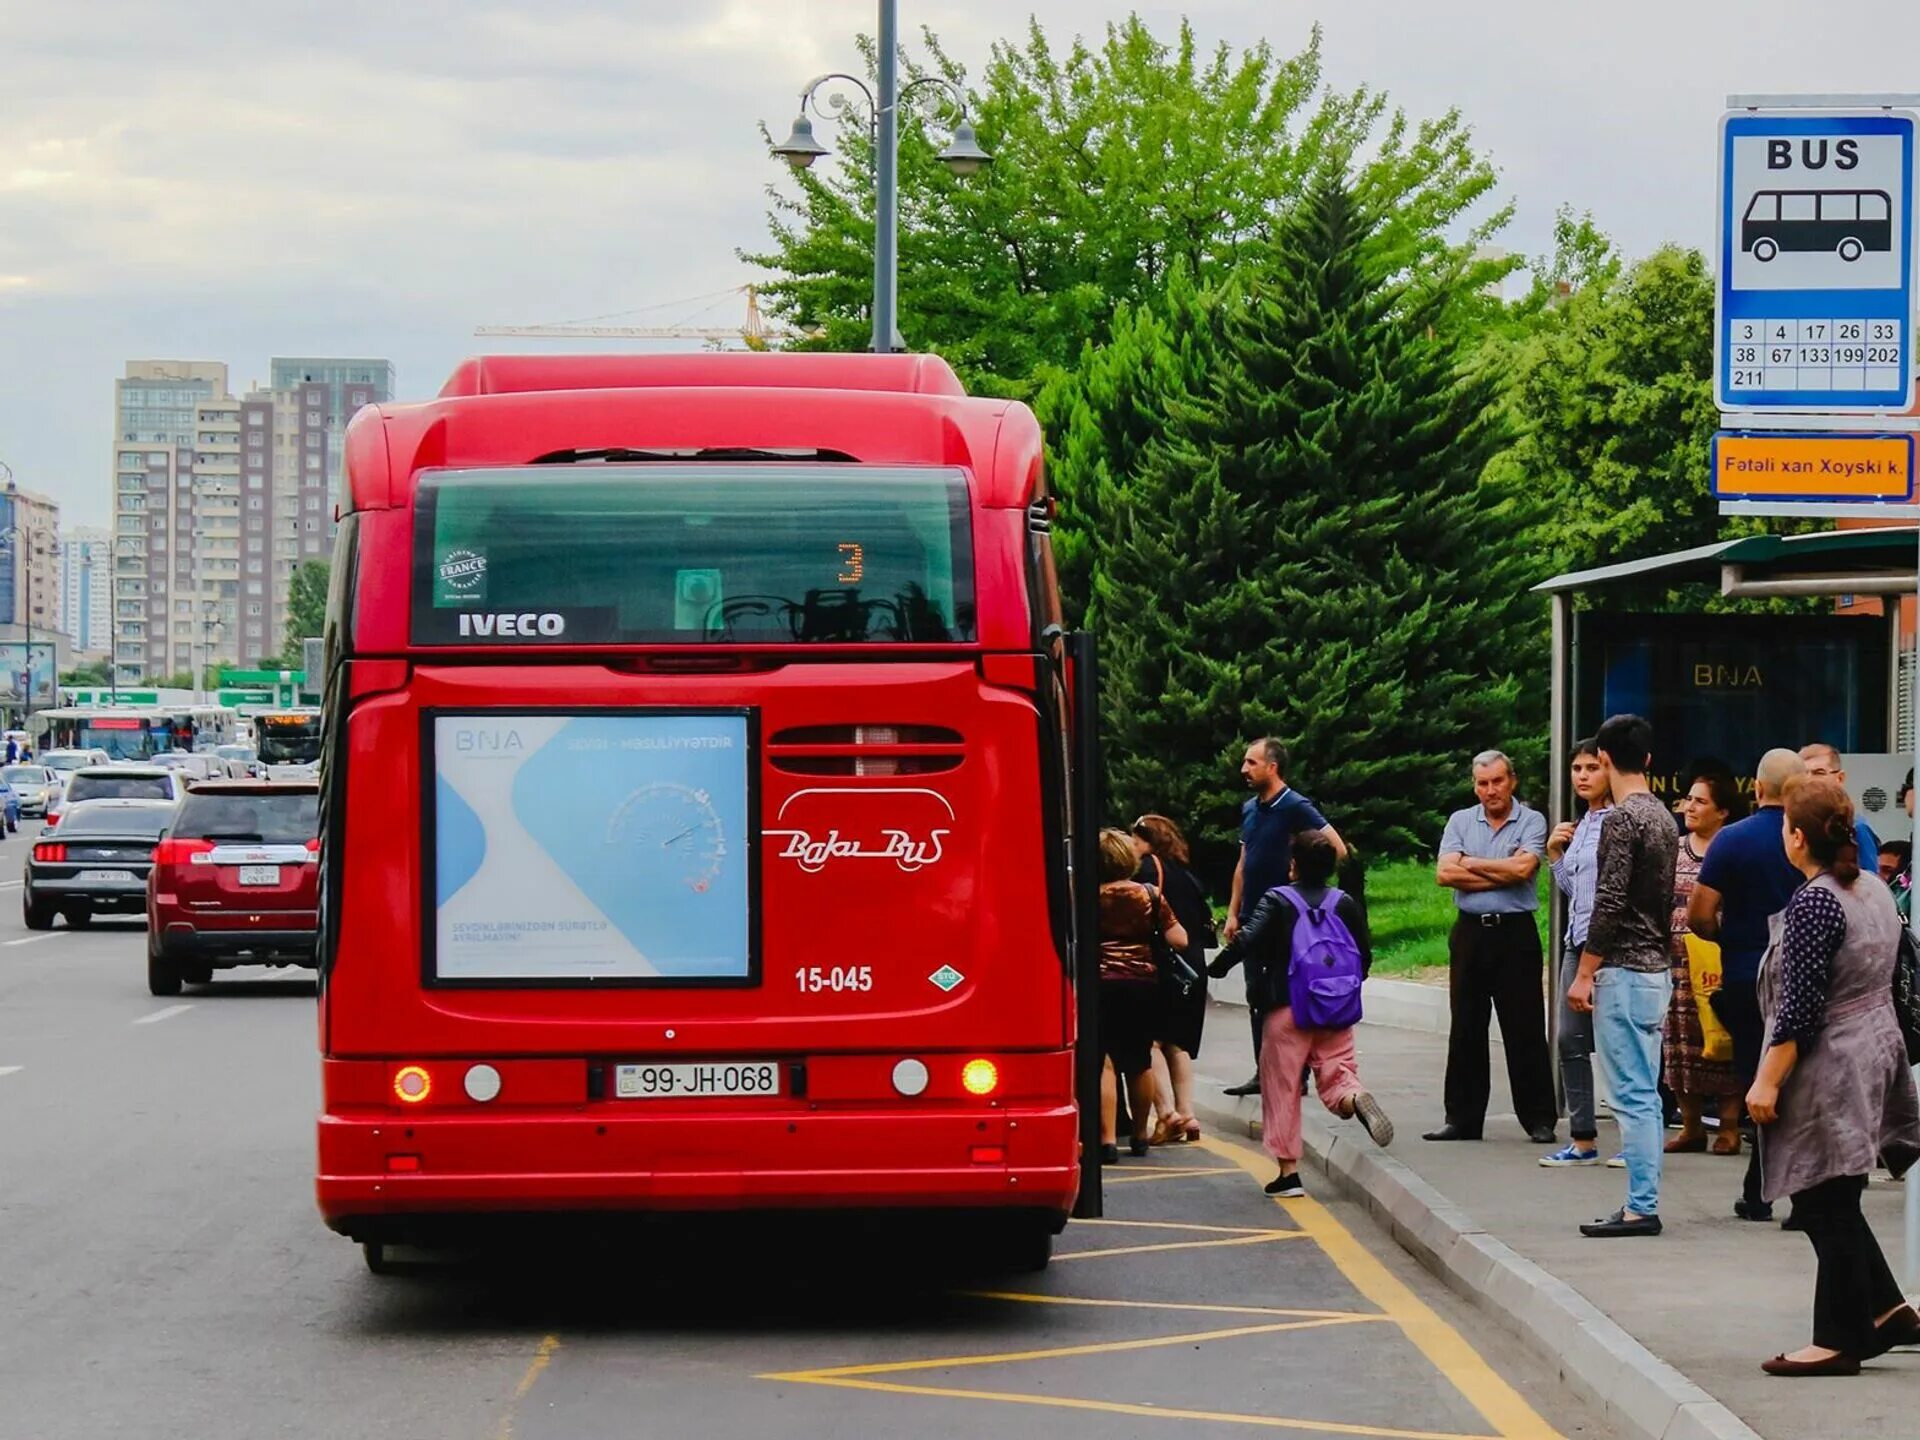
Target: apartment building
[(219, 498), (86, 588), (29, 573), (312, 398)]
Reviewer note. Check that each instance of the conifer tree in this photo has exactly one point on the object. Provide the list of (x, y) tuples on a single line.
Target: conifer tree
[(1309, 553), (1101, 417)]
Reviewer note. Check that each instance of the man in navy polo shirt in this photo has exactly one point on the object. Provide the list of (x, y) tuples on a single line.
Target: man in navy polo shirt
[(1272, 816), (1744, 882)]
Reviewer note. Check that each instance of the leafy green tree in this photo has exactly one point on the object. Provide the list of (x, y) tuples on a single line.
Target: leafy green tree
[(1310, 553), (1113, 164), (98, 672), (1612, 396), (307, 603)]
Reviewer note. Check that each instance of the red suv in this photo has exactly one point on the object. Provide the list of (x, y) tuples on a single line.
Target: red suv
[(235, 881)]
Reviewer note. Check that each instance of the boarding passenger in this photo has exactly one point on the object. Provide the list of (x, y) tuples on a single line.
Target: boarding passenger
[(1131, 916), (1164, 864), (1270, 819)]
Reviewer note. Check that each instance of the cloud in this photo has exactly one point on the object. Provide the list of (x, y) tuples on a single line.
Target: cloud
[(232, 182)]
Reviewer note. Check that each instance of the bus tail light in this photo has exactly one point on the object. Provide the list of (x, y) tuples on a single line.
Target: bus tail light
[(988, 1154), (180, 852), (412, 1084), (50, 854), (482, 1083), (980, 1077)]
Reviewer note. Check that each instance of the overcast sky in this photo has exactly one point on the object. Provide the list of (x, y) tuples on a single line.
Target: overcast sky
[(234, 181)]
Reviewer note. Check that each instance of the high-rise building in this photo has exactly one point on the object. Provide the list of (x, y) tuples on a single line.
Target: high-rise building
[(29, 579), (218, 499), (86, 588), (312, 399), (157, 508)]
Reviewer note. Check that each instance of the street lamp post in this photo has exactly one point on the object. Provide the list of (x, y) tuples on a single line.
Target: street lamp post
[(962, 155)]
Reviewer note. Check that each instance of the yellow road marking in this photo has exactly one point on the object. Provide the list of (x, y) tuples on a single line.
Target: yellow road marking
[(1156, 1412), (1446, 1348), (1264, 1238), (1182, 1225), (1060, 1352), (1171, 1172), (541, 1359), (1173, 1305)]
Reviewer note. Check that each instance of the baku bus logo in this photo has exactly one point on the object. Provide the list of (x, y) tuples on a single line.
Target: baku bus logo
[(463, 571), (898, 825)]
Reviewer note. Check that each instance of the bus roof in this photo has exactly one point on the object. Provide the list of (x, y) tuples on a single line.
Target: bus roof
[(874, 409), (517, 374)]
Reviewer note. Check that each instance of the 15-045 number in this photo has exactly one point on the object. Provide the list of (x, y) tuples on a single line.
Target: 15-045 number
[(841, 979)]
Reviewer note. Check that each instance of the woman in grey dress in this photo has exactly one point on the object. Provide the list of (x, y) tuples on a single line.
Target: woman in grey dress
[(1834, 1093)]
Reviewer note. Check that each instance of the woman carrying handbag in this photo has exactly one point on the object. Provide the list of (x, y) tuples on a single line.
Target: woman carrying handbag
[(1164, 864)]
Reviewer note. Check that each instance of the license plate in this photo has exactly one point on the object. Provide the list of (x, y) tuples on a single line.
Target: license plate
[(681, 1082), (103, 877), (259, 874)]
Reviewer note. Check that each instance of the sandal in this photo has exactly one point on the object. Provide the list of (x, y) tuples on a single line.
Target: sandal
[(1725, 1143), (1685, 1144), (1193, 1129), (1163, 1133)]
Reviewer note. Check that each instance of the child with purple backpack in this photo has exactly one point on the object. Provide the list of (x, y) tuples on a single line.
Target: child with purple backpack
[(1306, 949)]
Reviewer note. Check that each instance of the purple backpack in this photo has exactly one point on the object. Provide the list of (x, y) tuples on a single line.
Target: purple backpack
[(1324, 971)]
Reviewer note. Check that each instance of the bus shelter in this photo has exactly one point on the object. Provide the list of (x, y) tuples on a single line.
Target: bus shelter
[(1846, 676)]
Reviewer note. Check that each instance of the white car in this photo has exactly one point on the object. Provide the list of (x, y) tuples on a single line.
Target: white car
[(118, 782), (38, 786)]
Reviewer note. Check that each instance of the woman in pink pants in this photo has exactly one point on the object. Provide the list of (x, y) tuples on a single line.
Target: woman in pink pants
[(1287, 1050)]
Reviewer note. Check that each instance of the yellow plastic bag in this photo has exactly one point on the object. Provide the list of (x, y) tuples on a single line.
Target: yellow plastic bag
[(1703, 974)]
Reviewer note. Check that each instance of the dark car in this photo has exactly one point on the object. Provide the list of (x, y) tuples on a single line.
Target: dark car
[(98, 861), (235, 881)]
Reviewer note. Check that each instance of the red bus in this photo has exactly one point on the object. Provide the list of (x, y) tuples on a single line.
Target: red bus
[(697, 803)]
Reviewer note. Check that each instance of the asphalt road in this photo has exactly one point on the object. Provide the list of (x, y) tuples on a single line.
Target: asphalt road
[(163, 1273)]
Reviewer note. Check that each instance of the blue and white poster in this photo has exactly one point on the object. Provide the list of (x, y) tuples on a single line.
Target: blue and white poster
[(592, 847)]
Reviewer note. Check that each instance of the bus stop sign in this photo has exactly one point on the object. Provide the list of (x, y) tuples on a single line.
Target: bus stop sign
[(1816, 252)]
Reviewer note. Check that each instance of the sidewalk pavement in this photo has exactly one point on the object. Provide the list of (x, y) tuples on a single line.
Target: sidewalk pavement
[(1711, 1298)]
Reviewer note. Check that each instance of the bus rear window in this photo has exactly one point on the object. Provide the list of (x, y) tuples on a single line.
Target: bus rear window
[(667, 554)]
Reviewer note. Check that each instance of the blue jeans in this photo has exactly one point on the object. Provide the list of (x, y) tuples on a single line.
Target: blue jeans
[(1629, 1014)]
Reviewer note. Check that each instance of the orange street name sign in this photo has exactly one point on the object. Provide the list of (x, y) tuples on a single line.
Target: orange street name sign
[(1776, 466)]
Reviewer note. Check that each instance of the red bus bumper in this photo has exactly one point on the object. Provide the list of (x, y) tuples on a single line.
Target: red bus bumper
[(379, 1167)]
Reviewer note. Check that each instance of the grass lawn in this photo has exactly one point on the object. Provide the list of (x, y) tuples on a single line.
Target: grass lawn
[(1410, 916)]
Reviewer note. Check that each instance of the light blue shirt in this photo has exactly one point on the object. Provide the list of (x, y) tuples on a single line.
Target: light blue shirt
[(1576, 871), (1470, 833)]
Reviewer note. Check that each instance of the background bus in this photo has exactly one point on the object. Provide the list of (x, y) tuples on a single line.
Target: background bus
[(696, 819), (287, 738), (131, 732)]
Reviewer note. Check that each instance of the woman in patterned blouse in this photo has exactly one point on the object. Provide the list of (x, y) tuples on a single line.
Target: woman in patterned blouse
[(1834, 1092)]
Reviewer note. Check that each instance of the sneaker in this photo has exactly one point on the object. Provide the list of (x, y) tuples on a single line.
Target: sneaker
[(1568, 1155), (1286, 1185), (1617, 1162), (1367, 1111)]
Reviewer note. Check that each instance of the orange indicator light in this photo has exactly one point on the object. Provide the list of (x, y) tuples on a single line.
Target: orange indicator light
[(412, 1084), (980, 1077)]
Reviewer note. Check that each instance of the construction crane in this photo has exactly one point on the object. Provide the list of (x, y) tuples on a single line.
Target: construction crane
[(755, 333)]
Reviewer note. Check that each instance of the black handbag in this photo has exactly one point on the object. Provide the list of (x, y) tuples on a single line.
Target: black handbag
[(1177, 975)]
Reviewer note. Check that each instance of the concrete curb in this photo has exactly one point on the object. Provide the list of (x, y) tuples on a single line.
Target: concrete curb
[(1595, 1356)]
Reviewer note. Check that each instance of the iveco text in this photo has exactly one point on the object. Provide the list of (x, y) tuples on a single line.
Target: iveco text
[(524, 623)]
